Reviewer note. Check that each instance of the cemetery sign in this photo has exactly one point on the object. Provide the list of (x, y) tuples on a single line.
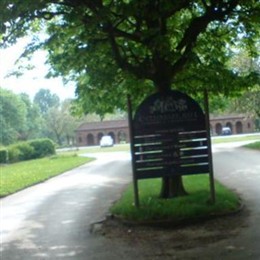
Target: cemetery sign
[(169, 137)]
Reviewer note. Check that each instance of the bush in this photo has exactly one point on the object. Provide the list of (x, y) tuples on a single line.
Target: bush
[(3, 155), (20, 152), (42, 147), (30, 150), (26, 151), (13, 153)]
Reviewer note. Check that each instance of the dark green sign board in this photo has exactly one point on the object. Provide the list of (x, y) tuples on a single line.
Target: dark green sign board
[(169, 137)]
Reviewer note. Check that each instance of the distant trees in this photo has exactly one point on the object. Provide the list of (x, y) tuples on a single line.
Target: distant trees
[(46, 100), (12, 117), (61, 123), (33, 119), (46, 116)]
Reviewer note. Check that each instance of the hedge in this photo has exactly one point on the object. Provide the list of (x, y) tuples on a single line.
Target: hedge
[(20, 152), (33, 149), (3, 155), (42, 147)]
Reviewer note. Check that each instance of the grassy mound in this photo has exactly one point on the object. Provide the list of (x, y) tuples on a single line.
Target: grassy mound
[(195, 205)]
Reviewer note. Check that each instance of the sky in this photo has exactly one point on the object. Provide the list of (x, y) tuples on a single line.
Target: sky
[(31, 81)]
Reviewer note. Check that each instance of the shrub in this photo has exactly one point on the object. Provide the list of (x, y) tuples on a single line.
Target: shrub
[(20, 152), (42, 147), (26, 151), (3, 155), (13, 153), (30, 150)]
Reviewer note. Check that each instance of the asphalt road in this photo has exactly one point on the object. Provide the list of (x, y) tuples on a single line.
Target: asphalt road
[(239, 168), (52, 220)]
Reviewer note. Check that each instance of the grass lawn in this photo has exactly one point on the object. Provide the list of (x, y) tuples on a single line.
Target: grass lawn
[(187, 207), (17, 176), (237, 138), (97, 149), (255, 145)]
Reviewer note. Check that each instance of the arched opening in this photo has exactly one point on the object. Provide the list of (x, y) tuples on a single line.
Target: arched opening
[(99, 136), (239, 127), (113, 136), (80, 139), (218, 129), (229, 124), (90, 139), (121, 137)]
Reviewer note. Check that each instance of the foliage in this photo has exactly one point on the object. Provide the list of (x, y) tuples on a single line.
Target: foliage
[(17, 176), (21, 119), (61, 123), (20, 152), (34, 119), (46, 100), (58, 122), (248, 102), (12, 116), (32, 149), (3, 155), (114, 48), (42, 147), (13, 153)]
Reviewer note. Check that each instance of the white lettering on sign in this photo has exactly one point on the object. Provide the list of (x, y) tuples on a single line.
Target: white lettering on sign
[(169, 105)]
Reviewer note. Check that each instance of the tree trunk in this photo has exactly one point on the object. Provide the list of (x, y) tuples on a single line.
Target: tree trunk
[(172, 187)]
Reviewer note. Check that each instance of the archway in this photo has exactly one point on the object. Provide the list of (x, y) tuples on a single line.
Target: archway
[(79, 140), (239, 127), (218, 129), (229, 124), (113, 136), (90, 139), (121, 137), (99, 136)]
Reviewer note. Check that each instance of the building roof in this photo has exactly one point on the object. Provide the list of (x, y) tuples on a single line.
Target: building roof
[(103, 125), (115, 124), (228, 117)]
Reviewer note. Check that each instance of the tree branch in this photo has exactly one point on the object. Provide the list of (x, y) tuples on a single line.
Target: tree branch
[(141, 71), (216, 12)]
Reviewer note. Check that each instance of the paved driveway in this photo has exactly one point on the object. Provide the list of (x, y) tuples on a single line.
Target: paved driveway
[(52, 220)]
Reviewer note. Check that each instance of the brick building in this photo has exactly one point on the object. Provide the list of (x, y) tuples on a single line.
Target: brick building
[(90, 133), (237, 123)]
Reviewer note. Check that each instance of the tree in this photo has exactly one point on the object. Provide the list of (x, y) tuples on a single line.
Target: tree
[(12, 117), (33, 119), (60, 123), (248, 102), (46, 100), (113, 48), (72, 121)]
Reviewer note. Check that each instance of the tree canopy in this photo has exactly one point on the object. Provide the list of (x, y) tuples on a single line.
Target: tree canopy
[(46, 100), (21, 119), (12, 116), (112, 48)]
